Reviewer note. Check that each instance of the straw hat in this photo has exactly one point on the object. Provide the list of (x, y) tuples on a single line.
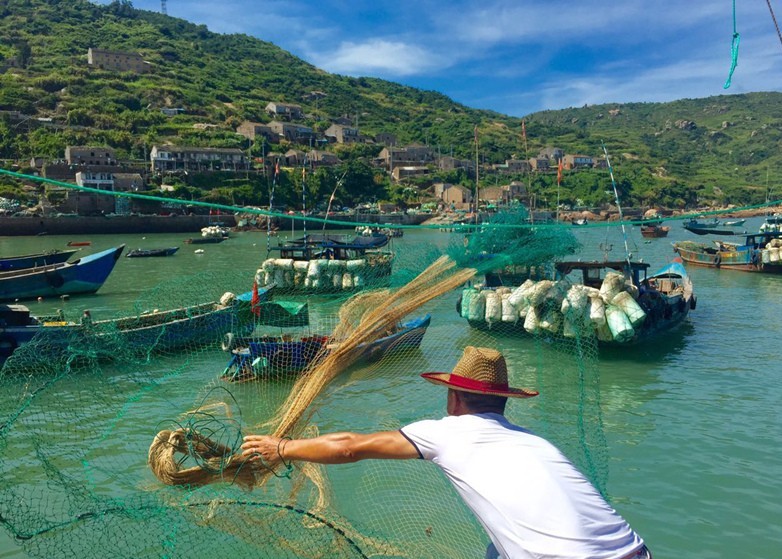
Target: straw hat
[(481, 371)]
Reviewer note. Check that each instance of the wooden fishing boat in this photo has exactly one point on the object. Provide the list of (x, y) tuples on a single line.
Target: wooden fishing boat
[(616, 301), (150, 252), (760, 252), (33, 260), (84, 275), (272, 355), (328, 264), (654, 231), (145, 332)]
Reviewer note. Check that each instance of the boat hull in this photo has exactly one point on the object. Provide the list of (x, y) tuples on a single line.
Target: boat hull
[(743, 258), (268, 356), (85, 275), (35, 260)]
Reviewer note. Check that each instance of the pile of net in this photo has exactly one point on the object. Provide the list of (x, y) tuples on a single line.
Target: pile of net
[(112, 443)]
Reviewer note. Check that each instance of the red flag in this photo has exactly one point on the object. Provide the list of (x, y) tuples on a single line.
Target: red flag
[(559, 172), (523, 130), (255, 300)]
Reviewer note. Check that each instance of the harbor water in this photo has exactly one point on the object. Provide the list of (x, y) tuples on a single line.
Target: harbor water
[(692, 420)]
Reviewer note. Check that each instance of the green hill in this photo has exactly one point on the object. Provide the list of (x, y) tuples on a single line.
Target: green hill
[(715, 150)]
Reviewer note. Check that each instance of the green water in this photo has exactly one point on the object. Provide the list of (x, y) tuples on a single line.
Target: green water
[(692, 422)]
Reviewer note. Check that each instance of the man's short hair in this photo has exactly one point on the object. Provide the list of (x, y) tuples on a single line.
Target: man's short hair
[(481, 402)]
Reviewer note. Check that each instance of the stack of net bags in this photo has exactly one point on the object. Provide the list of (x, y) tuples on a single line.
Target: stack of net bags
[(561, 308)]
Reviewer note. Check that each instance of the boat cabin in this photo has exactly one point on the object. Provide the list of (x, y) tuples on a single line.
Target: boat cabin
[(593, 273), (330, 247)]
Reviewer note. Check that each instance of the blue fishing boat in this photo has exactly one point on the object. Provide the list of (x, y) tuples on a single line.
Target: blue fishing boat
[(84, 275), (711, 227), (144, 332), (760, 252), (33, 260), (262, 357)]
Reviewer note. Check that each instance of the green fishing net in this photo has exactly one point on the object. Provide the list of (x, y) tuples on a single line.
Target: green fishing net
[(217, 355)]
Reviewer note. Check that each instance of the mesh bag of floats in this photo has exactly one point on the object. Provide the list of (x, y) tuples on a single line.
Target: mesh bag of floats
[(121, 435)]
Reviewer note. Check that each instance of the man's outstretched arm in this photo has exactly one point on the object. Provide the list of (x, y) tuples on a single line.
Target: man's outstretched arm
[(335, 448)]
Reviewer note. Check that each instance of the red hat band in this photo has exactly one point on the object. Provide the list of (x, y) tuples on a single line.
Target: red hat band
[(472, 384)]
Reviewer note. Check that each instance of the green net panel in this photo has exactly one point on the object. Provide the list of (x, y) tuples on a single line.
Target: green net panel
[(213, 357)]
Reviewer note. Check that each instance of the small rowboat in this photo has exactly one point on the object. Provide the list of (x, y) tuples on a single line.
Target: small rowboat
[(141, 252), (79, 243)]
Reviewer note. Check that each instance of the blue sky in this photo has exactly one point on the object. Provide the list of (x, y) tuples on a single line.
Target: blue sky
[(518, 57)]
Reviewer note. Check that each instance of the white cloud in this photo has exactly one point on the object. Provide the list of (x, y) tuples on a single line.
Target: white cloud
[(377, 56)]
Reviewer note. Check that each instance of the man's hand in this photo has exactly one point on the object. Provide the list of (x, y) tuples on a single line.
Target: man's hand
[(269, 448)]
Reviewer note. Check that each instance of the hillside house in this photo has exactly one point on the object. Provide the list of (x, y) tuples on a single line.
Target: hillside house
[(252, 130), (340, 134), (406, 156), (448, 163), (453, 196), (402, 172), (88, 155), (174, 158), (385, 138), (318, 158), (284, 110), (118, 61), (540, 164), (553, 154), (296, 133), (577, 162)]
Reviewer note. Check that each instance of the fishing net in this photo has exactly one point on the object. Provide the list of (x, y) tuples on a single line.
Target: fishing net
[(120, 432)]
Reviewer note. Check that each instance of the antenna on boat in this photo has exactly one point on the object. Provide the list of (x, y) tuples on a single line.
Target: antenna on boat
[(331, 198), (618, 205)]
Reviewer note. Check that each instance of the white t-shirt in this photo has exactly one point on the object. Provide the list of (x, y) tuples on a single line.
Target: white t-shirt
[(527, 495)]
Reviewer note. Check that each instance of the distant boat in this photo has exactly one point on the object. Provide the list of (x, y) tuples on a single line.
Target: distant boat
[(654, 231), (734, 223), (141, 252), (204, 240), (580, 222), (706, 228), (33, 260), (84, 275), (79, 243), (760, 252)]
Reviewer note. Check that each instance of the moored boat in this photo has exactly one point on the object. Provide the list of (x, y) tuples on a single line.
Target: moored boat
[(760, 252), (204, 240), (79, 243), (144, 332), (33, 260), (734, 222), (84, 275), (615, 301), (709, 228), (272, 355), (654, 231), (148, 252), (328, 263)]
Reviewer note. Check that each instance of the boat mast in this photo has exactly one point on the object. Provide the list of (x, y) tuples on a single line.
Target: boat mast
[(476, 174), (618, 205)]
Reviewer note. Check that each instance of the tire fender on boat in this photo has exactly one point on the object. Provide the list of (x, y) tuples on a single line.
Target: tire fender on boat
[(229, 342)]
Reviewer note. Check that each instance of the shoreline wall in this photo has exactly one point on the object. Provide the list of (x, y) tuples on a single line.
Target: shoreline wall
[(31, 226)]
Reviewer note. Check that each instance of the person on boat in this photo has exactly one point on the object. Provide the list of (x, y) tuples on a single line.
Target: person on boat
[(529, 498)]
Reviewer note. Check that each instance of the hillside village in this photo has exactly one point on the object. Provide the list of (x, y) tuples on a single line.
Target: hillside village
[(99, 167)]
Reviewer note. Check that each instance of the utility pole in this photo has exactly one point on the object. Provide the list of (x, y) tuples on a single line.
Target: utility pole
[(163, 7)]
